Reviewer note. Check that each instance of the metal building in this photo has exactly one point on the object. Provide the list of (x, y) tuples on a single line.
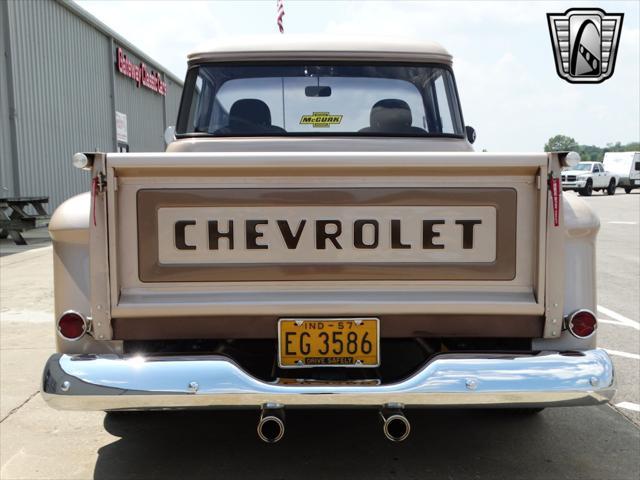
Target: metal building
[(68, 83)]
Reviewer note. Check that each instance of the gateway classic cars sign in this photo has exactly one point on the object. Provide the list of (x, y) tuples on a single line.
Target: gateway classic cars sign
[(140, 73)]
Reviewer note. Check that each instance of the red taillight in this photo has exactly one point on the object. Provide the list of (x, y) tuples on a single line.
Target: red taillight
[(582, 324), (72, 325)]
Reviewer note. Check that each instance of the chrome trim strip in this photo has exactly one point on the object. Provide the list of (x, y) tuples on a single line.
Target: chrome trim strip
[(111, 382)]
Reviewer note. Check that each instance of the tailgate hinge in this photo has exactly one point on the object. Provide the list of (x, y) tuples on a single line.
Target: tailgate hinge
[(98, 185), (100, 182)]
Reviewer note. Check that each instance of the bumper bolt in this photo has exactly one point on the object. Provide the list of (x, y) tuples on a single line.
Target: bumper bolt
[(471, 384), (65, 386), (193, 386)]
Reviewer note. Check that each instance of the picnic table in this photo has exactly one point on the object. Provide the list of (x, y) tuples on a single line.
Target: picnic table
[(15, 217)]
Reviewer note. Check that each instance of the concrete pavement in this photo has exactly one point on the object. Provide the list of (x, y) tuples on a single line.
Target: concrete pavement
[(619, 290), (570, 443)]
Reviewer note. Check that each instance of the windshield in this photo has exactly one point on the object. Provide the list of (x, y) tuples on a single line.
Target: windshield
[(583, 166), (381, 100)]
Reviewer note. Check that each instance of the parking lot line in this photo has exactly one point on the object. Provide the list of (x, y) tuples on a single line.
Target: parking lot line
[(620, 318), (611, 322), (634, 407), (615, 322), (618, 353)]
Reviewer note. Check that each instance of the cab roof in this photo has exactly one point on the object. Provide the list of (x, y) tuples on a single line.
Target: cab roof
[(294, 47)]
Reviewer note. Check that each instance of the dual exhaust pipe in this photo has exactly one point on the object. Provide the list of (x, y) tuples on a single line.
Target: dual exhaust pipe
[(395, 425), (271, 424)]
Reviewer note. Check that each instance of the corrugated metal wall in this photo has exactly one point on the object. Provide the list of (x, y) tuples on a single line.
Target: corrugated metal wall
[(62, 68), (6, 164), (60, 71), (174, 92)]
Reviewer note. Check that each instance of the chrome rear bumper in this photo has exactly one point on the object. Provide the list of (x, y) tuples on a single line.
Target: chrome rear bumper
[(111, 382)]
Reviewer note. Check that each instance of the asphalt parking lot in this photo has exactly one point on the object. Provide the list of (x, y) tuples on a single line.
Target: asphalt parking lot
[(567, 443)]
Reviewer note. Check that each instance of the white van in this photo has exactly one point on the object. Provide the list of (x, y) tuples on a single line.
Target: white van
[(626, 166)]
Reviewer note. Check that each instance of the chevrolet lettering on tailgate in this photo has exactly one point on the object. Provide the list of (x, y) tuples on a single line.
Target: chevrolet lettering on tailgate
[(323, 234)]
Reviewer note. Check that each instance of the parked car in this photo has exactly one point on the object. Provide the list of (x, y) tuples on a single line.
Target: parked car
[(321, 234), (626, 167), (586, 177)]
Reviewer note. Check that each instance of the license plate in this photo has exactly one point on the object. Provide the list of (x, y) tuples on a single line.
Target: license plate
[(333, 342), (636, 182)]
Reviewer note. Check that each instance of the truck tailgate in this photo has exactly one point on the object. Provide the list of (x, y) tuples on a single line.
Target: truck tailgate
[(228, 235)]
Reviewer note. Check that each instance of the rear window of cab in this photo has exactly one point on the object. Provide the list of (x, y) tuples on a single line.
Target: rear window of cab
[(313, 99)]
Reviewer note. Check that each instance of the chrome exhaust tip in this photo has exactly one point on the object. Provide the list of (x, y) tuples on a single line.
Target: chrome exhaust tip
[(395, 425), (271, 424)]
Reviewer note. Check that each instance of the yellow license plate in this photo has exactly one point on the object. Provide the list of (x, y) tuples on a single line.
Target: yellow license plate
[(333, 342)]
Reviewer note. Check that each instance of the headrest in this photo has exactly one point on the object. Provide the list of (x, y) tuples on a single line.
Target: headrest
[(249, 112), (390, 114)]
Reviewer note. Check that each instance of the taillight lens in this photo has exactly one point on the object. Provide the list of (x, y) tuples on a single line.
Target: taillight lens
[(582, 324), (71, 326)]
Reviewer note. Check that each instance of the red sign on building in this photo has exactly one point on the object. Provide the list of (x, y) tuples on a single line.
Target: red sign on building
[(140, 74)]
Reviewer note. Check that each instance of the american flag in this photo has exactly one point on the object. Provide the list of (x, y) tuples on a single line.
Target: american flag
[(280, 8)]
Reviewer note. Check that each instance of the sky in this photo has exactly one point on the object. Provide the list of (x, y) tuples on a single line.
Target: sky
[(503, 61)]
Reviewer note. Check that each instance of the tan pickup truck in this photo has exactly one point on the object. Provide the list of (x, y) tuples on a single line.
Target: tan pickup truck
[(321, 233)]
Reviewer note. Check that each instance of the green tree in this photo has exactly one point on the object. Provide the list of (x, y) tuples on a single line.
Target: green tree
[(588, 153), (618, 147), (560, 143)]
